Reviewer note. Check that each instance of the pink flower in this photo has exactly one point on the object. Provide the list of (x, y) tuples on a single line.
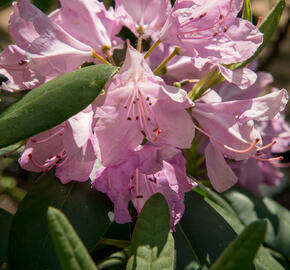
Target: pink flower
[(145, 15), (209, 32), (139, 105), (69, 147), (14, 65), (148, 171), (89, 22), (231, 129), (61, 43)]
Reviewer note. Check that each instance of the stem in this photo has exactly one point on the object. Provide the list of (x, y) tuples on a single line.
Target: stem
[(212, 78), (100, 58), (158, 70), (139, 43), (110, 57), (153, 47)]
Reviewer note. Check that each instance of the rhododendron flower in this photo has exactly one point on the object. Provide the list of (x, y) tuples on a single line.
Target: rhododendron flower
[(139, 104), (63, 42), (145, 17), (230, 127), (148, 171), (69, 147), (210, 32), (14, 65)]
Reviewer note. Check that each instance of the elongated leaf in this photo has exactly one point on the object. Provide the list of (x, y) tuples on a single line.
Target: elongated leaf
[(250, 208), (152, 244), (52, 103), (268, 27), (70, 250), (30, 245), (264, 260), (5, 223), (247, 11), (240, 254), (204, 229)]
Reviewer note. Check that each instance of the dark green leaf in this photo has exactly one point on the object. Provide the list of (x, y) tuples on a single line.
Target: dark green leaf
[(268, 27), (240, 254), (152, 244), (5, 223), (264, 260), (44, 5), (247, 11), (52, 103), (250, 208), (4, 3), (118, 258), (204, 229), (31, 246), (70, 250)]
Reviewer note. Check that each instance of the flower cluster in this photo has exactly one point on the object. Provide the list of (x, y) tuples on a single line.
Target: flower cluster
[(140, 129)]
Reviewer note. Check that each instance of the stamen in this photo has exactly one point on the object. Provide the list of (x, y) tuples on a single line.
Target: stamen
[(59, 132), (267, 146), (7, 155), (244, 150), (268, 159), (226, 146), (46, 167)]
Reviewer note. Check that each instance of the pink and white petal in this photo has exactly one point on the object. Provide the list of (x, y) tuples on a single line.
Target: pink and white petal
[(21, 30), (243, 77), (116, 135), (77, 167), (219, 172)]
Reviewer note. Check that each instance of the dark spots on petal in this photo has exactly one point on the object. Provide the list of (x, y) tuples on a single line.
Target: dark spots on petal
[(148, 118), (129, 118), (137, 117), (147, 98), (143, 132), (150, 103), (139, 196), (125, 107), (221, 16), (215, 34), (134, 102), (202, 15), (225, 29)]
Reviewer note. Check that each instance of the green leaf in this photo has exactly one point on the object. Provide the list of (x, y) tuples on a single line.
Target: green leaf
[(247, 11), (264, 260), (250, 208), (30, 245), (52, 103), (152, 244), (204, 230), (70, 250), (5, 224), (240, 254), (268, 27), (44, 5)]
